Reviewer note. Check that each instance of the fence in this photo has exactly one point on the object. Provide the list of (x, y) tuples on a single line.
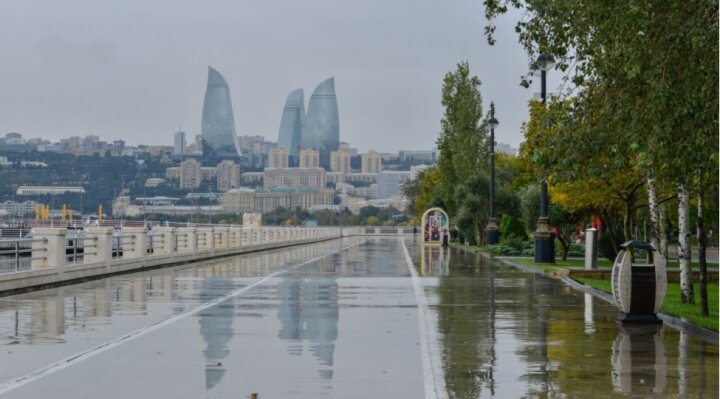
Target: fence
[(50, 256)]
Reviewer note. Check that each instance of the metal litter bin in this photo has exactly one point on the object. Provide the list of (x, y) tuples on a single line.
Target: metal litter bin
[(639, 288)]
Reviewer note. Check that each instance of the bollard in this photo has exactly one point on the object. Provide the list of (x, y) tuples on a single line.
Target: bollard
[(591, 248)]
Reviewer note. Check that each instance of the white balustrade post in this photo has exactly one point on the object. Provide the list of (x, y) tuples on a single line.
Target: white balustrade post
[(167, 237), (208, 240), (223, 235), (191, 243), (98, 245), (244, 237), (136, 237), (48, 248)]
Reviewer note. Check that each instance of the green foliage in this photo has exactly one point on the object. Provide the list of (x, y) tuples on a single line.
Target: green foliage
[(501, 250), (512, 228), (462, 141)]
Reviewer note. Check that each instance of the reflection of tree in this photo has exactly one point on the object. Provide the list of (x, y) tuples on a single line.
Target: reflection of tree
[(308, 311), (467, 335)]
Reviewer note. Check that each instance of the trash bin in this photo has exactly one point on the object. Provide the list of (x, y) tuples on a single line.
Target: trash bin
[(639, 288)]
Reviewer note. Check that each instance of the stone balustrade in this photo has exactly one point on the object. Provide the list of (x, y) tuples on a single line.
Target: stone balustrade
[(61, 256)]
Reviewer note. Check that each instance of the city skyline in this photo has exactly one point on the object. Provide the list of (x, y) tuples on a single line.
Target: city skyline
[(85, 76)]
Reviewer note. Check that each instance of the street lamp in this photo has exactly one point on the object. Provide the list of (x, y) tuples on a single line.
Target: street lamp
[(544, 240), (492, 233)]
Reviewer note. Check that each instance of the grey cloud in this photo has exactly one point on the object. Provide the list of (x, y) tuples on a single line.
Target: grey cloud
[(56, 51)]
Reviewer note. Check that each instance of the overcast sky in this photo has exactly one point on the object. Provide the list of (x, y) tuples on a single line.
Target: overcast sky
[(137, 70)]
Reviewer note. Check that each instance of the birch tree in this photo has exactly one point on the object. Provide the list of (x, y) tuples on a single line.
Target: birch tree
[(651, 67)]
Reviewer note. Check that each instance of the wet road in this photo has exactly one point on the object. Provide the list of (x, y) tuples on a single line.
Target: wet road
[(342, 319)]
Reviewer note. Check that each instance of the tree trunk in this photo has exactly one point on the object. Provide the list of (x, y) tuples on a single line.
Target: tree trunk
[(565, 242), (702, 246), (654, 213), (627, 225), (664, 234), (684, 255)]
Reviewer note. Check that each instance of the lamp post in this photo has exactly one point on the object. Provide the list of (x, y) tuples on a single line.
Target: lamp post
[(492, 233), (544, 239)]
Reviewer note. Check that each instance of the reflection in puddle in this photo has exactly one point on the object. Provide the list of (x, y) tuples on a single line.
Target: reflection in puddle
[(216, 330), (504, 333), (434, 261), (308, 312), (638, 360)]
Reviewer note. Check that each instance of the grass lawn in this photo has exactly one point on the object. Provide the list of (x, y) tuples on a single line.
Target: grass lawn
[(672, 305), (602, 263)]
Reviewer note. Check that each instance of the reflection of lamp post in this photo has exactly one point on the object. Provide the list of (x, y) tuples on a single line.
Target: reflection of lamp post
[(491, 231), (544, 240)]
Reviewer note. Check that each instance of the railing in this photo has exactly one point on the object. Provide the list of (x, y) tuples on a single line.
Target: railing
[(113, 246), (18, 254)]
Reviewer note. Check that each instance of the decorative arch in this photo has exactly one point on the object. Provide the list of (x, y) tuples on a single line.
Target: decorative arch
[(435, 225)]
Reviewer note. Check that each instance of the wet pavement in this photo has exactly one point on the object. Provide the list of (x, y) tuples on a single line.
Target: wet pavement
[(341, 319)]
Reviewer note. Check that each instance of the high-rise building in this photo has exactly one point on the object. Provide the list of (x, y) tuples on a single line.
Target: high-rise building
[(218, 124), (278, 158), (180, 143), (429, 156), (340, 162), (389, 183), (370, 162), (309, 158), (322, 124), (190, 174), (228, 175), (291, 123)]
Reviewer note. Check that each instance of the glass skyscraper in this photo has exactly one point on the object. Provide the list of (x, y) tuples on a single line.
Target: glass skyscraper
[(218, 124), (291, 123), (322, 125)]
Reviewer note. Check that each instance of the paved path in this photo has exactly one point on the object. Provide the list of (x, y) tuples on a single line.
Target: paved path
[(352, 318)]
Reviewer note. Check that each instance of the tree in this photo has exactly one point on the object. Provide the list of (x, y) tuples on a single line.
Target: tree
[(562, 220), (650, 70), (462, 141)]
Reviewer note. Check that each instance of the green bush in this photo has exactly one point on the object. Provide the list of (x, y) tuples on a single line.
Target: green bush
[(512, 228), (502, 250), (576, 250)]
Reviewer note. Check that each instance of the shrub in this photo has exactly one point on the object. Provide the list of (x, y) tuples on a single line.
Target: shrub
[(512, 227), (502, 250)]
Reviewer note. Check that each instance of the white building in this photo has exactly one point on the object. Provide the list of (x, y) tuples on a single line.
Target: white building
[(278, 158), (370, 162), (190, 174), (340, 161), (294, 177), (228, 175), (47, 190), (309, 158)]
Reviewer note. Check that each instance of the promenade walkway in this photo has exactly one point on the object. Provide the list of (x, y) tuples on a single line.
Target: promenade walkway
[(356, 317)]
